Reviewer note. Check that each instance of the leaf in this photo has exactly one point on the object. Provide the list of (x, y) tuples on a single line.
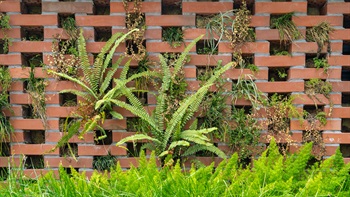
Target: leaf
[(178, 143), (135, 138), (116, 115)]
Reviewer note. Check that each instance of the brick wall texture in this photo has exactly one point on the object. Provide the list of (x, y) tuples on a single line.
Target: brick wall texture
[(336, 12)]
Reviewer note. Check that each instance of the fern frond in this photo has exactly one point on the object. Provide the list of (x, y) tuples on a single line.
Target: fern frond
[(107, 80), (178, 143), (83, 57), (199, 147), (72, 130), (180, 61), (135, 138), (125, 70), (75, 81)]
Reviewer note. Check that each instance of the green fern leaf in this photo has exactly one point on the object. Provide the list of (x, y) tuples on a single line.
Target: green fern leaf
[(135, 138)]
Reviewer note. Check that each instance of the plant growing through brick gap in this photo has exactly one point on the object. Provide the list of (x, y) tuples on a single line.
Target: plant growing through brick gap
[(95, 83), (173, 35), (167, 135), (286, 28), (5, 26), (320, 35), (5, 125)]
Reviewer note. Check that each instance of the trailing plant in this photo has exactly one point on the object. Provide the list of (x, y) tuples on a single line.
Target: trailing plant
[(102, 163), (94, 83), (321, 63), (246, 88), (5, 125), (174, 36), (169, 137), (286, 28), (280, 110), (135, 19), (320, 35), (271, 175), (317, 86), (5, 26), (36, 90), (236, 30)]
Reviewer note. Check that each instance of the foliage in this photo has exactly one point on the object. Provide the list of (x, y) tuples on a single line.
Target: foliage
[(317, 86), (4, 26), (236, 30), (95, 83), (36, 90), (280, 53), (286, 28), (321, 63), (280, 110), (68, 24), (169, 136), (272, 175), (102, 163), (135, 19), (174, 36), (5, 125), (320, 35)]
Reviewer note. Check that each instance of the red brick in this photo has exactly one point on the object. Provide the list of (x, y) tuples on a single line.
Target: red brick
[(165, 47), (170, 20), (67, 7), (340, 34), (155, 34), (53, 32), (310, 21), (336, 138), (310, 73), (318, 99), (60, 111), (249, 47), (311, 47), (343, 60), (69, 162), (20, 98), (33, 20), (25, 72), (343, 112), (33, 124), (31, 47), (237, 73), (100, 21), (206, 7), (204, 60), (338, 8), (99, 150), (56, 136), (280, 87), (33, 149), (10, 59), (95, 47), (114, 124), (280, 61), (280, 7), (117, 136), (118, 7), (10, 6), (260, 21), (61, 85), (11, 33), (36, 173), (331, 125), (342, 86), (267, 34)]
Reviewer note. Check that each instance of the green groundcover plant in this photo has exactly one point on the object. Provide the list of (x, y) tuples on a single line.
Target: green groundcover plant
[(271, 175)]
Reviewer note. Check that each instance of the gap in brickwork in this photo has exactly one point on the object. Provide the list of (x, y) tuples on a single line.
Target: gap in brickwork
[(204, 47), (32, 59), (202, 72), (278, 74), (346, 47), (345, 73), (5, 149), (346, 21), (316, 7), (247, 108), (31, 7), (27, 112), (309, 59), (280, 49), (134, 149), (107, 140), (142, 96), (345, 125), (34, 162), (102, 34), (345, 149), (133, 124), (103, 163), (31, 33), (101, 7), (202, 20), (69, 171), (69, 150), (250, 5), (64, 18), (132, 47), (4, 46), (247, 60), (306, 138), (64, 123), (312, 109), (131, 17), (34, 136), (68, 99), (171, 7), (345, 99), (4, 173)]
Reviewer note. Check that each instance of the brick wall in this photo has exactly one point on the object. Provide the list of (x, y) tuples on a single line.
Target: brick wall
[(336, 12)]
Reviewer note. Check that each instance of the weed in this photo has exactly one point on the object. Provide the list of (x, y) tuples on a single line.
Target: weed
[(173, 35), (320, 35), (286, 28), (321, 63)]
